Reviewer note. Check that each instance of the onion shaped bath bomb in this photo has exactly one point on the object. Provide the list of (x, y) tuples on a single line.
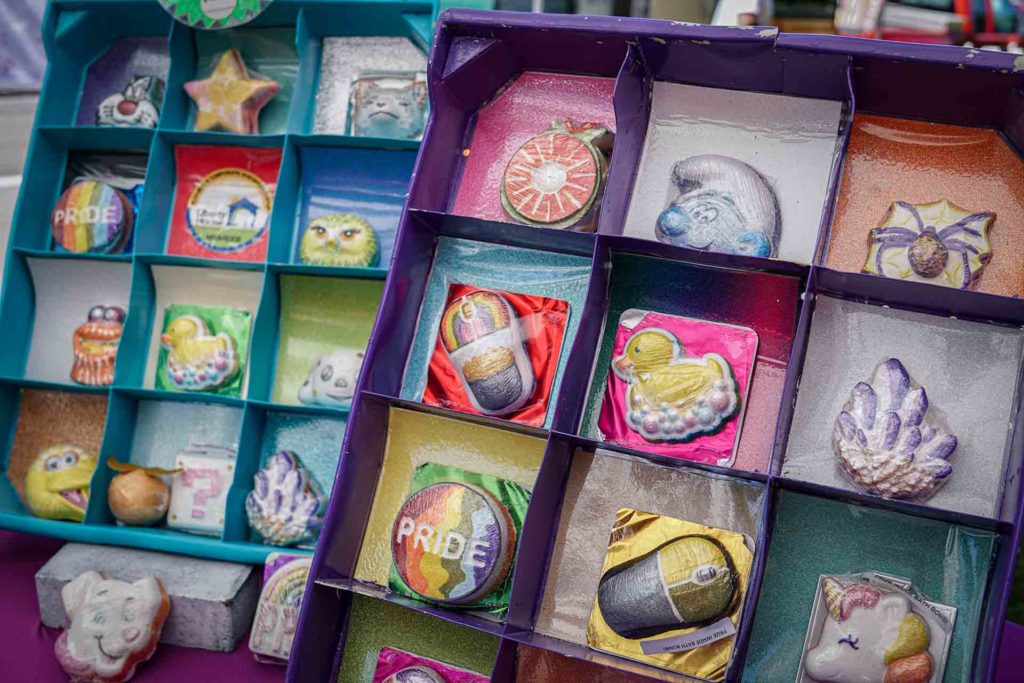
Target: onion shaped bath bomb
[(138, 497)]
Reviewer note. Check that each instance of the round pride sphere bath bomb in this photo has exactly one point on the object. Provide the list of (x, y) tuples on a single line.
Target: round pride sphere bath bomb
[(453, 543), (92, 217)]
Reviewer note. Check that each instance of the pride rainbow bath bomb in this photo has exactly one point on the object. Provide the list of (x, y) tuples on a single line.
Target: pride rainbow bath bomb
[(453, 543), (92, 217)]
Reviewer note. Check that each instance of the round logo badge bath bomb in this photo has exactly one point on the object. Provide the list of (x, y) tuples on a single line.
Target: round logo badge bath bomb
[(228, 210), (453, 543), (92, 217)]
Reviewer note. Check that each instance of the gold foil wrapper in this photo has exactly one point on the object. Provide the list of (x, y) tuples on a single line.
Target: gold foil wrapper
[(488, 363), (637, 534)]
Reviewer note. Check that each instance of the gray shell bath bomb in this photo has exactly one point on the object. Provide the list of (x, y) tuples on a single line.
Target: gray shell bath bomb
[(689, 581), (887, 440)]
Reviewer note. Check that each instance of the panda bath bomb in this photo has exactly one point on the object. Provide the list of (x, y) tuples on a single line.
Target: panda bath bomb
[(114, 626), (332, 380)]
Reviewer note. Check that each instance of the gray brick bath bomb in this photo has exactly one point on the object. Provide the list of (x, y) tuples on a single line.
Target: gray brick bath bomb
[(212, 602)]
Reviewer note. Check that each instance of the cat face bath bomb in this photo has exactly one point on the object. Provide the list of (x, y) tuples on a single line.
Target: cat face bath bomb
[(389, 104), (115, 625)]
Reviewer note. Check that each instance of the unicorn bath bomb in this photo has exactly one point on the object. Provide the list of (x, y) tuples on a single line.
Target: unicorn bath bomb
[(869, 636)]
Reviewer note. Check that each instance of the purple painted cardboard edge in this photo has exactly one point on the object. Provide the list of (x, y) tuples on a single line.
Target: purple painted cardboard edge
[(469, 21)]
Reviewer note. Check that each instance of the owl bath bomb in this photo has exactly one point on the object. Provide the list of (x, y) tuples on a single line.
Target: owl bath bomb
[(115, 625), (339, 239)]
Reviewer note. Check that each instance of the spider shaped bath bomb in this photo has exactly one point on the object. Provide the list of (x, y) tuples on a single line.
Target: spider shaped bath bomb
[(115, 625), (339, 239), (938, 243)]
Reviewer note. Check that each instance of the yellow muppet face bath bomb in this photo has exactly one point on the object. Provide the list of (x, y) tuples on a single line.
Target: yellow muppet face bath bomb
[(57, 483)]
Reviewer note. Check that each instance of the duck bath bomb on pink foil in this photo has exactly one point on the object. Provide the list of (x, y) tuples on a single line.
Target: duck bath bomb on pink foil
[(889, 440), (678, 386)]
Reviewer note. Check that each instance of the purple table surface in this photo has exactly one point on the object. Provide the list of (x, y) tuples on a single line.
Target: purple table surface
[(26, 646)]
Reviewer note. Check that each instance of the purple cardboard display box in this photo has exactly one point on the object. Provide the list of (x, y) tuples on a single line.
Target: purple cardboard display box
[(474, 55)]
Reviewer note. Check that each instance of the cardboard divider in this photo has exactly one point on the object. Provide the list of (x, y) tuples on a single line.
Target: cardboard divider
[(17, 313), (787, 403), (504, 670), (317, 653), (632, 99), (247, 462), (355, 484), (538, 535), (396, 323), (581, 366), (894, 79)]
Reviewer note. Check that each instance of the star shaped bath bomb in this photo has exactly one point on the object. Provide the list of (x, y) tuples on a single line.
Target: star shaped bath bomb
[(229, 99)]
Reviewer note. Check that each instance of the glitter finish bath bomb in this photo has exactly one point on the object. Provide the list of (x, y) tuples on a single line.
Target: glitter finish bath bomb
[(454, 539), (678, 386)]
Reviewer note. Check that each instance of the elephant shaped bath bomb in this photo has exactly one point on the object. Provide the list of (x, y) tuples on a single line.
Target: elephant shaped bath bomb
[(114, 626)]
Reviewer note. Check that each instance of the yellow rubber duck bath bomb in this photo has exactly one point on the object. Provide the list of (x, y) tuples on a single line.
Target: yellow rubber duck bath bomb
[(57, 483), (671, 396), (197, 360)]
